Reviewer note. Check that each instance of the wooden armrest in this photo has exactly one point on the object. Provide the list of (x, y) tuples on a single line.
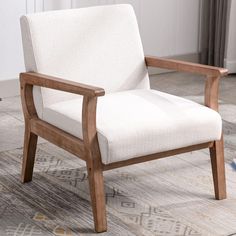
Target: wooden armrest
[(185, 66), (36, 79), (90, 93)]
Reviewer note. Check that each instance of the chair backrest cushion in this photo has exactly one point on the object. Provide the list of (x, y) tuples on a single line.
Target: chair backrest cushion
[(99, 46)]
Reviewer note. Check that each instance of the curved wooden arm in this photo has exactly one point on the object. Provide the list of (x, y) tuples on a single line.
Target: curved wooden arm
[(89, 145), (51, 82), (185, 66), (212, 73), (87, 148), (30, 79), (89, 128)]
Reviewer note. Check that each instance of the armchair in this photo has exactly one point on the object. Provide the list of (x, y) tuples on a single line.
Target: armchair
[(96, 51)]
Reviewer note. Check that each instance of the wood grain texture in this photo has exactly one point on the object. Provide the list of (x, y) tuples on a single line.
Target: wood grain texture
[(155, 156), (185, 66), (27, 101), (58, 137), (30, 139), (52, 82), (88, 148), (218, 169), (212, 92), (94, 163), (177, 189), (29, 150), (217, 150), (213, 75)]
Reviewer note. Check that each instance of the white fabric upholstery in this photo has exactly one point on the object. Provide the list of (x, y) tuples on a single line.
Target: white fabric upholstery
[(140, 122), (99, 46)]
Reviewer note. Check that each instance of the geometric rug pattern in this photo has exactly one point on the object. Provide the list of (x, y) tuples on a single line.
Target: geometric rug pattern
[(173, 196), (163, 197)]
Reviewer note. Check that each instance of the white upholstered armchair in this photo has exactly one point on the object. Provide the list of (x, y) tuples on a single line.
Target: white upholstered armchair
[(87, 90)]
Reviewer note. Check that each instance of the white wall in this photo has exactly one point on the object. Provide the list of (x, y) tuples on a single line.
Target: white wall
[(10, 45), (168, 27), (230, 56)]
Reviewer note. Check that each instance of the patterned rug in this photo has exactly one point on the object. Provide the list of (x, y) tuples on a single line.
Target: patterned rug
[(172, 196)]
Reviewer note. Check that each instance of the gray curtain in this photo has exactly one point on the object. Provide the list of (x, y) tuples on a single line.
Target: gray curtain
[(214, 20)]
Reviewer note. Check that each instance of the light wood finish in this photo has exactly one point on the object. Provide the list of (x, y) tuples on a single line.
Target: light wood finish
[(185, 66), (156, 156), (94, 163), (217, 150), (30, 139), (47, 81), (29, 150), (213, 76), (218, 169), (58, 137), (88, 148), (211, 92), (27, 101)]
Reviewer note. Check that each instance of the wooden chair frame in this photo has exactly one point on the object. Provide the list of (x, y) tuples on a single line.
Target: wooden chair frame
[(88, 148)]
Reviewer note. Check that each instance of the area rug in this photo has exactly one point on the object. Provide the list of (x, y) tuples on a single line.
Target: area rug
[(171, 196)]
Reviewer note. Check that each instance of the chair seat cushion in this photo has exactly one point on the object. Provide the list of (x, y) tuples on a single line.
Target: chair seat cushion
[(139, 122)]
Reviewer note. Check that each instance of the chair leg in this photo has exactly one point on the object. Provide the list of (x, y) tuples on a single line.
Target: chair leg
[(96, 184), (218, 169), (30, 144)]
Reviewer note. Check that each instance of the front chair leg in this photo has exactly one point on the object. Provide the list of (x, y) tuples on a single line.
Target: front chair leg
[(218, 169), (96, 184), (30, 144)]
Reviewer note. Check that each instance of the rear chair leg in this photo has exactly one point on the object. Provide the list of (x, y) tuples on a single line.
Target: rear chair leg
[(218, 169), (96, 184), (30, 144)]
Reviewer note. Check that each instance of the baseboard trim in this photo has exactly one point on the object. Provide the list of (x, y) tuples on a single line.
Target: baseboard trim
[(9, 88), (230, 65), (190, 57)]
